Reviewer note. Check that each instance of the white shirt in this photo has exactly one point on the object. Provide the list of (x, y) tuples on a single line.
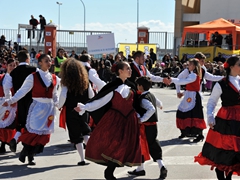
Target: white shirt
[(207, 76), (146, 104), (63, 95), (7, 93), (8, 82), (148, 74), (94, 78), (28, 85), (215, 95), (123, 90), (189, 79)]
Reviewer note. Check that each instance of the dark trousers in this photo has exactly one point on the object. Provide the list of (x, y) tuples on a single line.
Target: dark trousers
[(155, 149), (77, 125), (22, 112), (31, 31)]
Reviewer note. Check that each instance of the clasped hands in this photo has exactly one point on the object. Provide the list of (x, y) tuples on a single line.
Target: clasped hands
[(167, 81), (5, 104)]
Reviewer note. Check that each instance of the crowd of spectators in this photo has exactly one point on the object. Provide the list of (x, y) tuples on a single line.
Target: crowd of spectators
[(168, 66)]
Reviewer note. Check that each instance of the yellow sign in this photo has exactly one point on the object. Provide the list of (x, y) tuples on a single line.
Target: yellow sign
[(128, 48), (210, 52), (191, 51)]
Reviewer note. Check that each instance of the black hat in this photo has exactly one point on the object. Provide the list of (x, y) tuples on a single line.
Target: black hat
[(40, 15)]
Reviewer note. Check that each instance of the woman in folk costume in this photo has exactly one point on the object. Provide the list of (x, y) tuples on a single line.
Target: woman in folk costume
[(190, 118), (221, 149), (75, 88), (41, 114), (116, 140), (7, 114)]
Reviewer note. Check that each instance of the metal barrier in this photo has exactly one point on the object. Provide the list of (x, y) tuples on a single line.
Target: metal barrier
[(67, 39), (74, 40), (165, 40)]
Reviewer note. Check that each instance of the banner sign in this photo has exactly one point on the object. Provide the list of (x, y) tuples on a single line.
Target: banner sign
[(101, 44), (127, 48)]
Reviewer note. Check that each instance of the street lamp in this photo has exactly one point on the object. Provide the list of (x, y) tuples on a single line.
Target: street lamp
[(84, 23), (137, 21), (59, 4)]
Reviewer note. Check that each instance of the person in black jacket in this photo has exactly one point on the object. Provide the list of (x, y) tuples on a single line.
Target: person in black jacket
[(42, 28), (34, 22), (15, 81)]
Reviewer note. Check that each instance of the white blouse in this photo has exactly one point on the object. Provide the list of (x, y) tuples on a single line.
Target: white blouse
[(28, 85), (215, 95), (207, 76), (189, 79), (7, 93), (123, 89)]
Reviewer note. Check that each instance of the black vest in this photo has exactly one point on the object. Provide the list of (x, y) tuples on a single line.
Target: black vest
[(135, 73), (203, 74), (19, 74), (150, 97), (72, 100), (229, 96)]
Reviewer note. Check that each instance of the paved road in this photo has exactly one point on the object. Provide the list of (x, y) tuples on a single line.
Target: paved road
[(59, 158)]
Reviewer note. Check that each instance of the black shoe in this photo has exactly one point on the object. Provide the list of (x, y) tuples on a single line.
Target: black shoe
[(22, 157), (199, 138), (109, 175), (137, 173), (181, 136), (2, 148), (31, 160), (13, 145), (82, 163), (31, 163), (163, 173)]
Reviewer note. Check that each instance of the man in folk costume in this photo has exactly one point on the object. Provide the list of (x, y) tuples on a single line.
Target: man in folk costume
[(138, 70), (15, 81), (96, 83), (92, 73)]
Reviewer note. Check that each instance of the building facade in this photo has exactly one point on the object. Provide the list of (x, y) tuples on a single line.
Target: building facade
[(193, 12)]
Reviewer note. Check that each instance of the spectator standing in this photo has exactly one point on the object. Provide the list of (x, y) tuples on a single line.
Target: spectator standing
[(217, 39), (58, 60), (229, 41), (34, 22), (153, 56), (42, 28), (73, 55)]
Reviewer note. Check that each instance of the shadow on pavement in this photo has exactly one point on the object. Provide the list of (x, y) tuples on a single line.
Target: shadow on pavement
[(170, 111), (175, 141), (13, 171), (123, 178), (56, 150)]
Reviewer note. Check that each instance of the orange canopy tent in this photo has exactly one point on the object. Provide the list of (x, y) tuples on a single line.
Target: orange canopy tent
[(221, 25)]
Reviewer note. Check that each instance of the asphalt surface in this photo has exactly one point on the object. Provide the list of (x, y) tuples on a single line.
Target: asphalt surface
[(59, 159)]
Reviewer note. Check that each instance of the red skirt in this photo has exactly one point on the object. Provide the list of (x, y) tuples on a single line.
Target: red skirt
[(116, 138), (32, 139), (6, 135), (222, 146), (192, 122)]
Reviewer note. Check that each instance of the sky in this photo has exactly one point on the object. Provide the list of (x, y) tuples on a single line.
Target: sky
[(118, 16)]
